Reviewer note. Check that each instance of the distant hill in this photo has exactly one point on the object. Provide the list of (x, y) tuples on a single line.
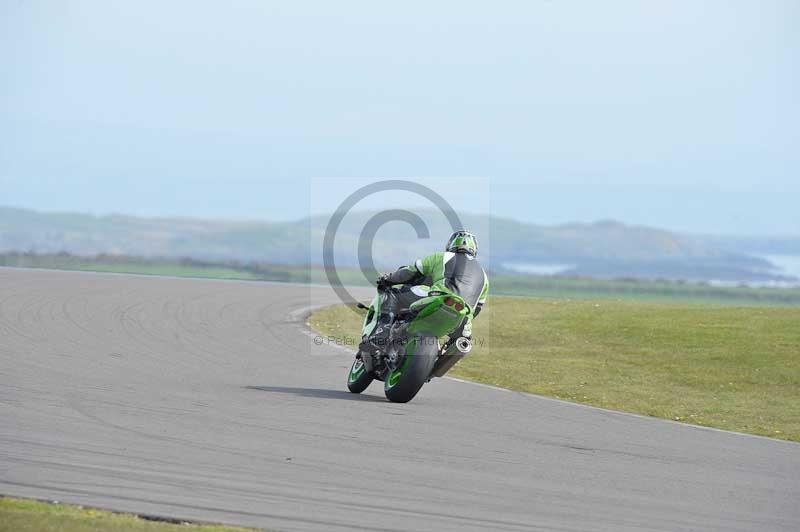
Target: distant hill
[(602, 249)]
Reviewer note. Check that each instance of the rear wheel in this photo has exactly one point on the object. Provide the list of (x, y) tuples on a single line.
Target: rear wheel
[(403, 383), (359, 378)]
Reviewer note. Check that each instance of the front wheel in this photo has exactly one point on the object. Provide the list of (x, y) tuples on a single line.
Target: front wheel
[(403, 383), (359, 378)]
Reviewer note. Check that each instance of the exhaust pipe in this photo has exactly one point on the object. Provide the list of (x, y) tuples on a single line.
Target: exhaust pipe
[(464, 345), (453, 354)]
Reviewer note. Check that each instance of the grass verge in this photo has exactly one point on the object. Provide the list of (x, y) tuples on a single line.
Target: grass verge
[(726, 367), (25, 515)]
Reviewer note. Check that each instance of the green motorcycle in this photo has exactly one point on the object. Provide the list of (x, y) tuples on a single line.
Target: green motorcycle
[(409, 354)]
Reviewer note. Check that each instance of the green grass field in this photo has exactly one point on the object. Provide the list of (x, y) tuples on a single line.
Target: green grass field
[(735, 368), (25, 515)]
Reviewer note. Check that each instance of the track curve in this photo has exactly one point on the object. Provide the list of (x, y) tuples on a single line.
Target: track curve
[(208, 400)]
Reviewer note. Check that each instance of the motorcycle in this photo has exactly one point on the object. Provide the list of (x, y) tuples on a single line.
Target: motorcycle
[(405, 351)]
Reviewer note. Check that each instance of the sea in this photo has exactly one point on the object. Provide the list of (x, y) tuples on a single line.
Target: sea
[(783, 265)]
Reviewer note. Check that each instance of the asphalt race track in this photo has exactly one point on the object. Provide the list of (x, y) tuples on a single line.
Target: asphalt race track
[(209, 400)]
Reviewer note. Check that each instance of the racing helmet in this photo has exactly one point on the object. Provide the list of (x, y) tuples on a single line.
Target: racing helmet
[(463, 242)]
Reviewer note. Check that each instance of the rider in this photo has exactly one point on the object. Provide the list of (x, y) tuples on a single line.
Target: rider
[(455, 270)]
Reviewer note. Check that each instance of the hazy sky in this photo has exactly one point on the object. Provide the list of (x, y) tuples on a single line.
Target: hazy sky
[(682, 114)]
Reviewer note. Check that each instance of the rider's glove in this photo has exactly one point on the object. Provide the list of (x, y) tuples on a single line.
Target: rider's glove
[(383, 282)]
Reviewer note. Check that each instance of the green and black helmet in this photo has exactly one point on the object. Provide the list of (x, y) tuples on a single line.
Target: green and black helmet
[(463, 242)]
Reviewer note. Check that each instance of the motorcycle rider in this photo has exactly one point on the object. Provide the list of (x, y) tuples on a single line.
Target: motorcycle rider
[(456, 270)]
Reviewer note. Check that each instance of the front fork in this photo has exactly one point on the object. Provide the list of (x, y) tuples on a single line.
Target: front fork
[(383, 356)]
